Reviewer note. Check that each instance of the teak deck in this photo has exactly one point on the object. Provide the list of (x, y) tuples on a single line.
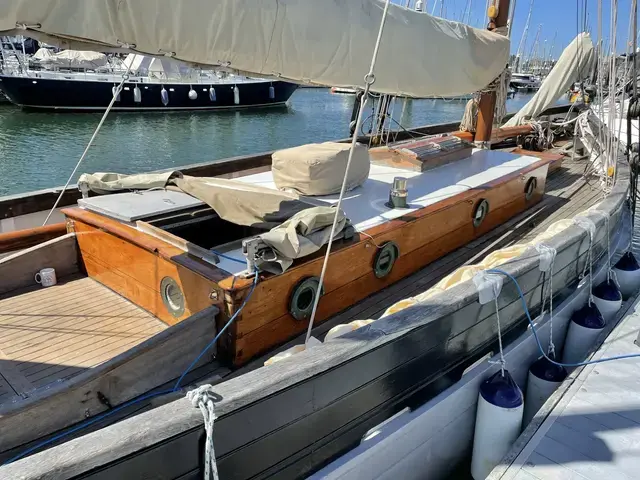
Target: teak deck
[(48, 335)]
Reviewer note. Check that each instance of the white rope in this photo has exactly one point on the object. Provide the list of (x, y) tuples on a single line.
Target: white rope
[(203, 398), (606, 220), (588, 225), (116, 93), (542, 248), (502, 361), (368, 80)]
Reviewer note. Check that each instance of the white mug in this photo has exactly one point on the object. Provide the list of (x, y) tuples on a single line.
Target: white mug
[(46, 277)]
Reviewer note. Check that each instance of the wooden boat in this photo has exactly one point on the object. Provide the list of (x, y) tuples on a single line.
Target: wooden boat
[(439, 339), (289, 419), (120, 276)]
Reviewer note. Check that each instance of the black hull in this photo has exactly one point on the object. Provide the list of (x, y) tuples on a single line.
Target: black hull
[(81, 95)]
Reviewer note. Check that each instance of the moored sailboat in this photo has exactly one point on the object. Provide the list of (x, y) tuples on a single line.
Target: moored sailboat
[(247, 249)]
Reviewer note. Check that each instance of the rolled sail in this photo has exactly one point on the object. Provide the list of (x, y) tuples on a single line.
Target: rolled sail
[(326, 42)]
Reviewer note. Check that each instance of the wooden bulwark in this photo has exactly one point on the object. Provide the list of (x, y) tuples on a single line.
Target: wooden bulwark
[(18, 269), (29, 237)]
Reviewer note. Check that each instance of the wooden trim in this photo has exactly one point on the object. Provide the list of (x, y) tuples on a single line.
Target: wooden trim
[(135, 272), (498, 134), (147, 242), (29, 237)]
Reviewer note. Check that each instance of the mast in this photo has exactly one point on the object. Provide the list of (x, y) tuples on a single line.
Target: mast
[(487, 103), (523, 38), (553, 44), (534, 48)]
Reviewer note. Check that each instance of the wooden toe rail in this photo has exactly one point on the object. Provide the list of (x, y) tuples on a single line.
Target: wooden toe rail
[(30, 237)]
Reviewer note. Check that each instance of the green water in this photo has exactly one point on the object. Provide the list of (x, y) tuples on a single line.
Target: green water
[(39, 149)]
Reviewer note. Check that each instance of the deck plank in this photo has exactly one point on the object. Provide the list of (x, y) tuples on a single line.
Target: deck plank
[(49, 334)]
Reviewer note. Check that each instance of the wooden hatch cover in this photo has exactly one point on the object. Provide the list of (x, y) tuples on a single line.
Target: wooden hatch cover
[(423, 154)]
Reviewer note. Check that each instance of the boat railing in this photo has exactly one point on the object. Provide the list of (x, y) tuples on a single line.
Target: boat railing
[(113, 73)]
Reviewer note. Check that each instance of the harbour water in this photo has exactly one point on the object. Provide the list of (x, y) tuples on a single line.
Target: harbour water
[(39, 149)]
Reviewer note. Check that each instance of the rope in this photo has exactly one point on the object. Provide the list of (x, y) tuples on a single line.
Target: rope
[(588, 225), (552, 251), (368, 80), (470, 116), (116, 93), (502, 362), (203, 397), (499, 85), (534, 330)]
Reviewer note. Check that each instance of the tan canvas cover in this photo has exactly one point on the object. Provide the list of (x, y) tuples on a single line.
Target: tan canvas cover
[(74, 59), (318, 168), (573, 64), (303, 234), (107, 182), (242, 203), (327, 42)]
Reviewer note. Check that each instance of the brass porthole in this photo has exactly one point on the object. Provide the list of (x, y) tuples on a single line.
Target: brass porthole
[(172, 296), (301, 301), (530, 188), (480, 212), (385, 257)]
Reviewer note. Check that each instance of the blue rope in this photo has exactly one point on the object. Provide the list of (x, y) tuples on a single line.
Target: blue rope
[(213, 342), (535, 333), (147, 396), (233, 259)]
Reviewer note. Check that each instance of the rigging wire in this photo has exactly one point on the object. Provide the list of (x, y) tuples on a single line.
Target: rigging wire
[(368, 79), (116, 93)]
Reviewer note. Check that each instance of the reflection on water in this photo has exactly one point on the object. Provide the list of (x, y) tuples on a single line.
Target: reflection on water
[(40, 149)]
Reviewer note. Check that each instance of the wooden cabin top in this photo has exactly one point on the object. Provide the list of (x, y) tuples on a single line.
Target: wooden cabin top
[(136, 253)]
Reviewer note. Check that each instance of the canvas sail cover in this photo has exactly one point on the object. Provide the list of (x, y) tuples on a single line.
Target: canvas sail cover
[(73, 59), (574, 63), (295, 228), (326, 42), (319, 168)]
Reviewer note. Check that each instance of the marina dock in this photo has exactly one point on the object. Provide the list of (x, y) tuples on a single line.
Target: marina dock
[(590, 427)]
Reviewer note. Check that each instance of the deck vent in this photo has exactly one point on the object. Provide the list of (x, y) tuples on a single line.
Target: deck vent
[(398, 193)]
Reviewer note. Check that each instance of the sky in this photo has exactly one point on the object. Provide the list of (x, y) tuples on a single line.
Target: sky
[(554, 15)]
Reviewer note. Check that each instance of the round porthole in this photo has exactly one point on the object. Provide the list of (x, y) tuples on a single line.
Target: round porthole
[(530, 188), (172, 296), (385, 257), (301, 302), (480, 212)]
